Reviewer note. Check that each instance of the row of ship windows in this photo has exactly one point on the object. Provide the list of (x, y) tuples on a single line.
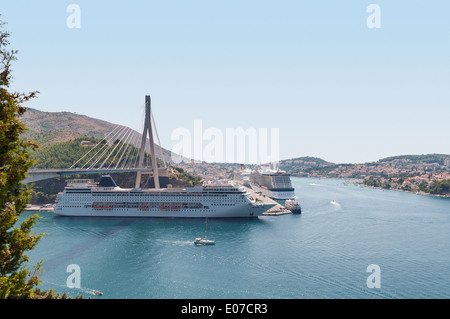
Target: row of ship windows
[(158, 194), (146, 196), (170, 195), (205, 208), (106, 199), (147, 205)]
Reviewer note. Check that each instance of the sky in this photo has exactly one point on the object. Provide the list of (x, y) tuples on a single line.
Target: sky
[(332, 86)]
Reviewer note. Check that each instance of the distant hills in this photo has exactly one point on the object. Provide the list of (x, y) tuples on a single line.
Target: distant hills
[(63, 137), (312, 166), (296, 165), (418, 159), (57, 127)]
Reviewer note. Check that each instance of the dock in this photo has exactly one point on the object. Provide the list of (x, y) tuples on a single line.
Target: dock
[(277, 210), (39, 208)]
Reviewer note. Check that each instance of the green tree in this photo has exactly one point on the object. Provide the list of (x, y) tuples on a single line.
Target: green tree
[(423, 186), (440, 187), (16, 280)]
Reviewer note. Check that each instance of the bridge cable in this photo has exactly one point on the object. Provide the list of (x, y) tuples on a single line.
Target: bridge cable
[(105, 145), (107, 148), (132, 150), (93, 147), (125, 151), (119, 139), (159, 143), (124, 142)]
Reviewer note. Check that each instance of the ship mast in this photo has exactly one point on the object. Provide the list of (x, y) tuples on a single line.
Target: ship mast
[(147, 129)]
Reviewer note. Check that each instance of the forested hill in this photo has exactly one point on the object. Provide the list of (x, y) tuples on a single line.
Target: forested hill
[(61, 155), (300, 164), (418, 159)]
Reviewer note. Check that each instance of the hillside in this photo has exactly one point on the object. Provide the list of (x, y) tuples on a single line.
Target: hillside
[(300, 164), (54, 127), (312, 166), (418, 159), (423, 174)]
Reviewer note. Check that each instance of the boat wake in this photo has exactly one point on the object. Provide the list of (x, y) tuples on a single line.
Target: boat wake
[(89, 291), (333, 202), (176, 242)]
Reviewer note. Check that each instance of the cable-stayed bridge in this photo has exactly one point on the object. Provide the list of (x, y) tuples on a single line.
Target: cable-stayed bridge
[(41, 174), (122, 150)]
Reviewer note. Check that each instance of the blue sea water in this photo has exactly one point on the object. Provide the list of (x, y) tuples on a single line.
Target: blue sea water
[(322, 253)]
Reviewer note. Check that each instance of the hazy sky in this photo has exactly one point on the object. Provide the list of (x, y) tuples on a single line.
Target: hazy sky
[(335, 88)]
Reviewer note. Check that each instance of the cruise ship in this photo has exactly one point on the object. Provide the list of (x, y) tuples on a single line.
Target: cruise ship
[(83, 197), (275, 184)]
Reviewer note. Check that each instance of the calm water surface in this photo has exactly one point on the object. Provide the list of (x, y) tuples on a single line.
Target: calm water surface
[(322, 253)]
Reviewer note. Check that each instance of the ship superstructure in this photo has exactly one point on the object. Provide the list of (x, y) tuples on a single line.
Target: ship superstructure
[(272, 183)]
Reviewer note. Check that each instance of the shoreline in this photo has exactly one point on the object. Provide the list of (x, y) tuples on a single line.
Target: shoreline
[(405, 191), (358, 181)]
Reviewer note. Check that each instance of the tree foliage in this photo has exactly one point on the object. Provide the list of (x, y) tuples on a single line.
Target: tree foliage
[(99, 153), (16, 280)]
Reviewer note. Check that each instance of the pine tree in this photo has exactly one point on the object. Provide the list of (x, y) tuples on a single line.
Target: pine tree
[(16, 280)]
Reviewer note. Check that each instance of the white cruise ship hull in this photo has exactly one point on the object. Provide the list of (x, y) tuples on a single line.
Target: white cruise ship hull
[(247, 211)]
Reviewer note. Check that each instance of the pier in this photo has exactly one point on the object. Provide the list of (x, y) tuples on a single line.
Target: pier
[(39, 208), (277, 210)]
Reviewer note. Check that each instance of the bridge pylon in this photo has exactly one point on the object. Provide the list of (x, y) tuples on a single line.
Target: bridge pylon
[(147, 131)]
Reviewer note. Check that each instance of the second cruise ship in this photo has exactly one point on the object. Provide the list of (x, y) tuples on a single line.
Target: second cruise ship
[(275, 184)]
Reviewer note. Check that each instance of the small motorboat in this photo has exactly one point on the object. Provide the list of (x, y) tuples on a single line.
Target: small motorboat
[(99, 293), (204, 241)]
